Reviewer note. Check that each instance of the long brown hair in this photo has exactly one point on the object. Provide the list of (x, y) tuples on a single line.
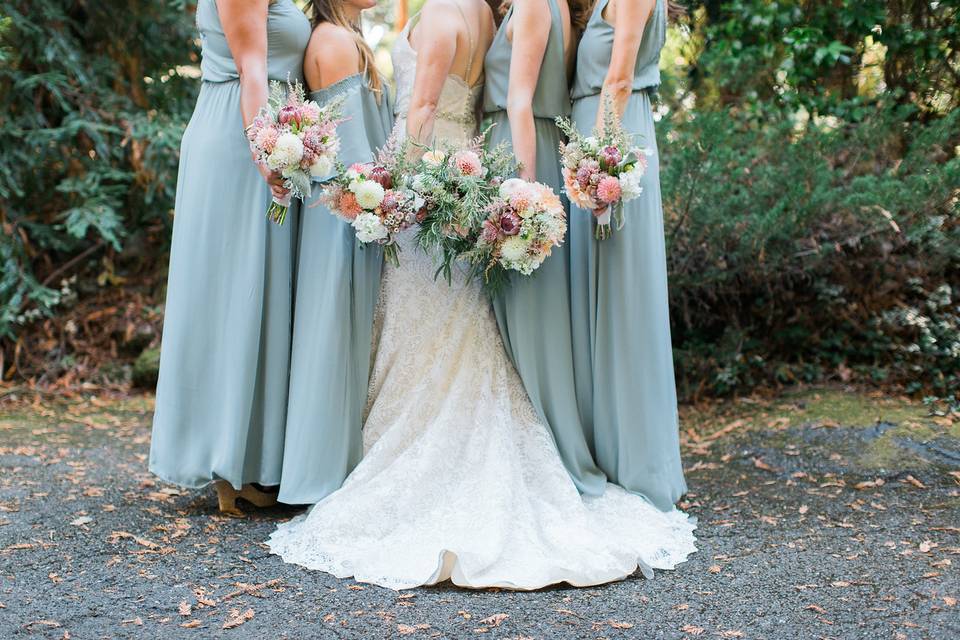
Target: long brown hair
[(332, 11)]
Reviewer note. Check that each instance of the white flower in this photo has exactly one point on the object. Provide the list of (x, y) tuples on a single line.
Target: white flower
[(513, 249), (287, 152), (321, 167), (572, 155), (434, 158), (592, 144), (630, 183), (369, 193), (510, 186), (368, 227)]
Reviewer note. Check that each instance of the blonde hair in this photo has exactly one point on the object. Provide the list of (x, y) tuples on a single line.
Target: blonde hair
[(332, 11)]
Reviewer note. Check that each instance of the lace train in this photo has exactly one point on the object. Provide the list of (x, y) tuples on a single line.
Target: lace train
[(460, 480)]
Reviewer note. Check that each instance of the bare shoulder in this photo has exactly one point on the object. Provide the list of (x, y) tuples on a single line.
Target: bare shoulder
[(441, 12), (331, 55)]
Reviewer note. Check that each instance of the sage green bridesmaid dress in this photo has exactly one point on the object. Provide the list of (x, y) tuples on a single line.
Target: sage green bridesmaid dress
[(336, 293), (222, 391), (621, 323), (533, 313)]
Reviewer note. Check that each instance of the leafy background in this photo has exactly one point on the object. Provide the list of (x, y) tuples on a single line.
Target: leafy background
[(811, 175)]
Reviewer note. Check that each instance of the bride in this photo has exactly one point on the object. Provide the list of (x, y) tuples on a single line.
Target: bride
[(460, 480)]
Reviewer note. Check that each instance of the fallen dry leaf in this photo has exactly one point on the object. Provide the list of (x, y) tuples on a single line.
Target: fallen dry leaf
[(817, 608), (692, 629), (184, 608), (949, 601), (731, 633), (82, 520), (495, 620), (407, 629), (803, 509), (237, 618), (911, 480), (763, 466), (193, 624), (621, 625)]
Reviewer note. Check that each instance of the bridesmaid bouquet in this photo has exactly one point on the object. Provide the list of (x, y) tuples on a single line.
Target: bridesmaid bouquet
[(602, 171), (375, 200), (524, 222), (457, 185), (297, 138)]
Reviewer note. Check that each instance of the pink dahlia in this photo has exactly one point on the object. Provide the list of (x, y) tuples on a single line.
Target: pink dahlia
[(467, 163), (608, 190), (266, 138)]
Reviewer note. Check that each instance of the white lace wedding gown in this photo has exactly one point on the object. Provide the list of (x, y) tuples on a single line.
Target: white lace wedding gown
[(460, 480)]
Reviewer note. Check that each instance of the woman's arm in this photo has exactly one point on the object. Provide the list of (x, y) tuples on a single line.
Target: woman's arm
[(245, 27), (435, 58), (531, 32), (628, 22)]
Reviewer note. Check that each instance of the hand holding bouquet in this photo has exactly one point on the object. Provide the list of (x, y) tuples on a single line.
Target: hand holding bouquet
[(296, 138), (373, 198), (602, 171), (524, 222)]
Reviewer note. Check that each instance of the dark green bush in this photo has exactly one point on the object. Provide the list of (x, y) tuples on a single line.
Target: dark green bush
[(93, 100), (797, 251)]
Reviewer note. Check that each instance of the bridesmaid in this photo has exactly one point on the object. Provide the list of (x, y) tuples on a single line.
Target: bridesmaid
[(526, 89), (337, 282), (621, 323), (221, 396)]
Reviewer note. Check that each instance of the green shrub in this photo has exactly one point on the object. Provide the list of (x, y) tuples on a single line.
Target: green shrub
[(94, 97), (797, 249)]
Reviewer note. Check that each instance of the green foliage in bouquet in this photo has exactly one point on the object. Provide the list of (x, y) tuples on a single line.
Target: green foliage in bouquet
[(456, 203)]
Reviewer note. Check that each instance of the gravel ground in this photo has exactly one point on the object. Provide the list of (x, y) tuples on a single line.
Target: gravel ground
[(809, 527)]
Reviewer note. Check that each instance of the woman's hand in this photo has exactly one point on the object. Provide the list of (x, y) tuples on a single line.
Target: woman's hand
[(275, 182)]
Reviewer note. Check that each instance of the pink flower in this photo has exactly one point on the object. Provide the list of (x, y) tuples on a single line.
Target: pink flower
[(289, 114), (266, 138), (310, 111), (610, 156), (510, 224), (608, 189), (467, 163), (390, 200), (308, 158), (348, 206), (587, 169), (381, 175), (489, 231), (362, 168)]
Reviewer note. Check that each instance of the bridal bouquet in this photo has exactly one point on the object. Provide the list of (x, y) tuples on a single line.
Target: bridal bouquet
[(524, 222), (297, 138), (375, 199), (602, 171), (457, 185)]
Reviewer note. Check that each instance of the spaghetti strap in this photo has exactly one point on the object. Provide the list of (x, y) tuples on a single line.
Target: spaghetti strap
[(473, 43)]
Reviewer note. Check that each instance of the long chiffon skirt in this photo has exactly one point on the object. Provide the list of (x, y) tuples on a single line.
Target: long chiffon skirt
[(533, 314), (621, 331), (221, 395)]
